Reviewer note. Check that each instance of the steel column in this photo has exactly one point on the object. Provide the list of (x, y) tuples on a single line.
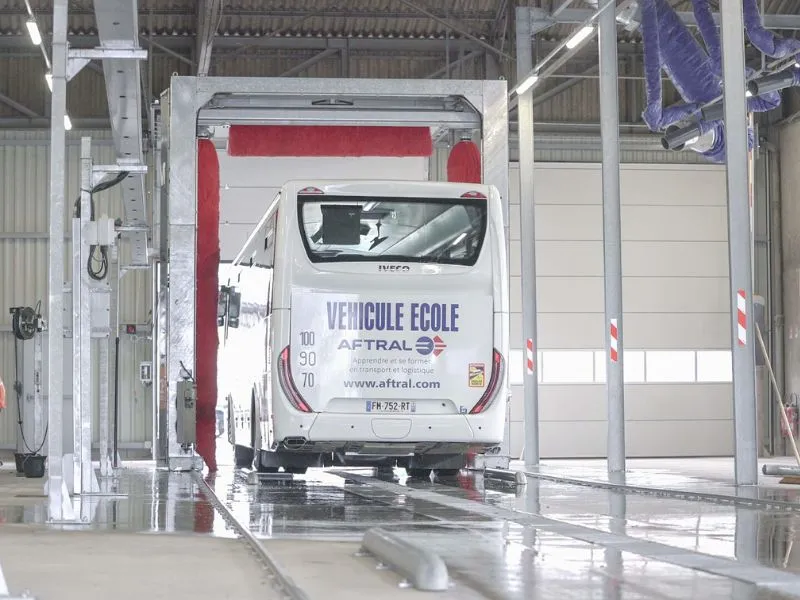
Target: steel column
[(182, 223), (528, 237), (612, 239), (84, 477), (39, 425), (741, 279), (58, 499), (108, 371)]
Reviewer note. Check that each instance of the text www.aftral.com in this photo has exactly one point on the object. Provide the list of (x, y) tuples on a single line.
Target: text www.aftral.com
[(390, 383)]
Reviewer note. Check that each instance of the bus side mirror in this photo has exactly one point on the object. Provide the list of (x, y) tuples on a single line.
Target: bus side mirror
[(234, 306), (222, 305)]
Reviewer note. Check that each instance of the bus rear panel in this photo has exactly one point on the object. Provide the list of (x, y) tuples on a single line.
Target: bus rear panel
[(389, 320)]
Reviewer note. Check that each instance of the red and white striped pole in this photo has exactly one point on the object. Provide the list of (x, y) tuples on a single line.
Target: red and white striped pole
[(614, 341), (741, 309), (529, 356)]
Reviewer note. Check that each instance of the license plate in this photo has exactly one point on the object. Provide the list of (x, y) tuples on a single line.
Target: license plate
[(391, 406)]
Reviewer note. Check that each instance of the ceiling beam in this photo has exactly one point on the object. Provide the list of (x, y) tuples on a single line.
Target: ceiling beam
[(151, 42), (576, 16), (449, 67), (180, 46), (457, 28), (482, 16), (564, 86), (565, 4), (208, 16), (20, 108), (310, 62)]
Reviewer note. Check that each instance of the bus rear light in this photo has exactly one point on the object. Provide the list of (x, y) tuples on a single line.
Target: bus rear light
[(287, 382), (310, 190), (498, 364), (477, 195)]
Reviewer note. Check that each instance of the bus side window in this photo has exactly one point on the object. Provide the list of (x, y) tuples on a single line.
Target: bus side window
[(269, 295)]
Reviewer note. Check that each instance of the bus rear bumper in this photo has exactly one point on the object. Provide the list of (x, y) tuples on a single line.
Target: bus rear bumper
[(405, 429)]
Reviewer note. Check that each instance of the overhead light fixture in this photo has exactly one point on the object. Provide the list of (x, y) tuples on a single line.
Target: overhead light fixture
[(67, 123), (33, 31), (582, 34), (48, 77), (527, 83)]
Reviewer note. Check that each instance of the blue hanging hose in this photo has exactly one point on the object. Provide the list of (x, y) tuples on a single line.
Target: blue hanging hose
[(696, 72)]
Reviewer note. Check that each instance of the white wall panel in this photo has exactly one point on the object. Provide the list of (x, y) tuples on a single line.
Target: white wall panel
[(666, 331), (578, 331), (640, 294), (587, 439), (570, 295), (674, 223), (571, 222), (686, 437), (577, 258), (673, 185), (674, 295), (705, 402), (674, 259)]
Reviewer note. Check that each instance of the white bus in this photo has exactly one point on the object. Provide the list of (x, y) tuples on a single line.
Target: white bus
[(386, 330)]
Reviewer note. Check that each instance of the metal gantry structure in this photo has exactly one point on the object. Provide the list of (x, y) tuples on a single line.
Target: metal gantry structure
[(608, 15), (193, 104)]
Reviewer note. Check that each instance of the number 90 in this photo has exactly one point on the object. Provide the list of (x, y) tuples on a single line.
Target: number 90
[(307, 359)]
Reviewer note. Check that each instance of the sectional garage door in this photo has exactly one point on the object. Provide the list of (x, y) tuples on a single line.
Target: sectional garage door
[(675, 294)]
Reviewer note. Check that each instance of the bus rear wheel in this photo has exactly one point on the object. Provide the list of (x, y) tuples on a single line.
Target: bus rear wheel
[(243, 456), (447, 473)]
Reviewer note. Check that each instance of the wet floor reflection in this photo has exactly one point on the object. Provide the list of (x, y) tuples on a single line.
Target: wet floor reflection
[(765, 537), (500, 558)]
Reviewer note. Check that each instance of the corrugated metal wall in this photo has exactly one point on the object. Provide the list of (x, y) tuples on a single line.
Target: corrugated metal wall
[(24, 209)]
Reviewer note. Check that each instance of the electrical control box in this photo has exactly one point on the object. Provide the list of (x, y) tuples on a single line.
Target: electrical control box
[(146, 372), (187, 412)]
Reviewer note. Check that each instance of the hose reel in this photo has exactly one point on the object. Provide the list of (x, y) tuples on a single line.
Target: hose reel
[(25, 322)]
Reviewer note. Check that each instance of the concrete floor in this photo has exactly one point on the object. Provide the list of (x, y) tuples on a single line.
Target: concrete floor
[(549, 539)]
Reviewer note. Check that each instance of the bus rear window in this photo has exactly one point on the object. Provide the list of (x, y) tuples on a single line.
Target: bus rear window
[(430, 230)]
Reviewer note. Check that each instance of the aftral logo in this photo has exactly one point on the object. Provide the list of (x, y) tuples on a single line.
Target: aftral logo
[(426, 345)]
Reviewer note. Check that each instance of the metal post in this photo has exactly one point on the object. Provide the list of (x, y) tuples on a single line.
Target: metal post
[(103, 413), (82, 332), (612, 240), (113, 354), (744, 371), (59, 508), (107, 366), (528, 237), (38, 412), (181, 229), (77, 347)]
